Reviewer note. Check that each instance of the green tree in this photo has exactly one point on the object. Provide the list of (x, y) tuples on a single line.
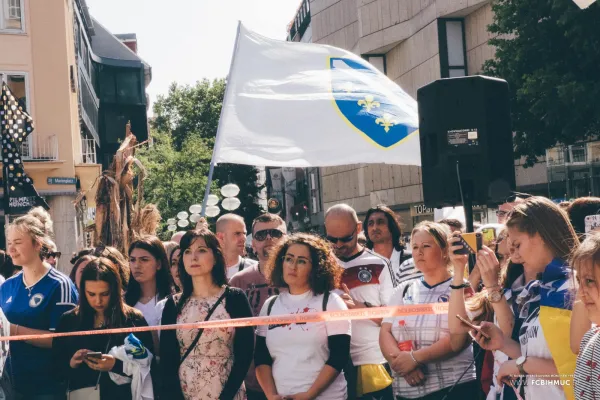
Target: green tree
[(549, 52), (195, 110), (176, 178), (190, 109)]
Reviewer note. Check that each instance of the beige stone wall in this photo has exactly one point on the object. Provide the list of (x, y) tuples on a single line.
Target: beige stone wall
[(477, 36), (415, 62), (365, 185), (335, 22)]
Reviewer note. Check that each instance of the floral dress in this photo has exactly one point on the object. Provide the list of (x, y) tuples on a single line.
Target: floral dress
[(205, 371)]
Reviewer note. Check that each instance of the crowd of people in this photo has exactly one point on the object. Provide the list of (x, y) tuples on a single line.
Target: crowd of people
[(521, 323)]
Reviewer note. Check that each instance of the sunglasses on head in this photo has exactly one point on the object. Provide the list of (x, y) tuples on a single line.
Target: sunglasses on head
[(262, 235), (516, 195), (345, 239)]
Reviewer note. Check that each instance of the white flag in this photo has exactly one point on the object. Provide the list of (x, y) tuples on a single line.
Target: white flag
[(298, 104)]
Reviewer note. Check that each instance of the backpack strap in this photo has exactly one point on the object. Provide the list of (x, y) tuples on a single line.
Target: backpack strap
[(242, 264), (405, 290), (325, 300), (271, 302)]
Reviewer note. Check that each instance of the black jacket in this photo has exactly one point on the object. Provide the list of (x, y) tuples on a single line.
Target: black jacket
[(236, 304), (82, 377)]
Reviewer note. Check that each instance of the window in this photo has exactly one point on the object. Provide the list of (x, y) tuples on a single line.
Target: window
[(378, 61), (17, 85), (578, 154), (11, 15), (453, 57)]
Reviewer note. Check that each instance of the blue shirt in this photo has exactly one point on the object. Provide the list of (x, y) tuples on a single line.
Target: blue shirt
[(38, 306)]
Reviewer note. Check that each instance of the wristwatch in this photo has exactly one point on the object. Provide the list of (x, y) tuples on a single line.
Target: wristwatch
[(520, 361), (367, 304), (494, 296)]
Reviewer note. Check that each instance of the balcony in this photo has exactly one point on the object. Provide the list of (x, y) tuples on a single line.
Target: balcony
[(40, 149), (298, 26), (89, 103)]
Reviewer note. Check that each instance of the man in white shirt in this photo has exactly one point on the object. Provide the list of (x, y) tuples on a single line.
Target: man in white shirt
[(383, 233), (367, 281), (231, 232)]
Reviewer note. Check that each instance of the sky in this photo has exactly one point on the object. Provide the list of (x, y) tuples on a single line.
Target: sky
[(187, 40)]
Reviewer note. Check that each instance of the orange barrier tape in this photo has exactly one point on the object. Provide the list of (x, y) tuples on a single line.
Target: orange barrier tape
[(358, 313)]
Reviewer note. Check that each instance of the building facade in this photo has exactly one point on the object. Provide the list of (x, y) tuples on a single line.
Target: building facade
[(49, 61), (414, 42)]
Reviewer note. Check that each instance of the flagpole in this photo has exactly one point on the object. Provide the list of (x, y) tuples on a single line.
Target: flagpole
[(216, 147)]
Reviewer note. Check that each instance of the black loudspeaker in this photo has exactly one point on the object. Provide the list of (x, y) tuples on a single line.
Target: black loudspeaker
[(466, 120)]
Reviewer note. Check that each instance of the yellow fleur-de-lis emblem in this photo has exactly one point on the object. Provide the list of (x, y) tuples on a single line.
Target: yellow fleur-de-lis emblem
[(386, 121), (369, 103)]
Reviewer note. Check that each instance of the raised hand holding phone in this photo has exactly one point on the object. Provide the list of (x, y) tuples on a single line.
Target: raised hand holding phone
[(496, 337), (470, 325), (458, 258)]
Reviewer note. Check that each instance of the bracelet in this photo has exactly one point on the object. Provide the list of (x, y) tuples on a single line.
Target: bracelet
[(491, 287), (464, 285), (413, 358)]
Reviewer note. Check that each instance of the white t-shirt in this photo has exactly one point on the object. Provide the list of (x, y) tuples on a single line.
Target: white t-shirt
[(370, 278), (234, 269), (152, 311), (299, 351), (424, 331)]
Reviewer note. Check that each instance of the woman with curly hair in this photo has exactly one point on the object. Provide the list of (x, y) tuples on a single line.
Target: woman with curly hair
[(303, 361)]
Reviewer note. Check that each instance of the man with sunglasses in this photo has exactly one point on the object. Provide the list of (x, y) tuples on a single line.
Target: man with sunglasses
[(268, 230), (53, 255), (509, 204), (368, 281)]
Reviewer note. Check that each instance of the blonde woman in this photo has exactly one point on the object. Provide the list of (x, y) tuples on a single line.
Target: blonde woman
[(426, 365), (33, 301)]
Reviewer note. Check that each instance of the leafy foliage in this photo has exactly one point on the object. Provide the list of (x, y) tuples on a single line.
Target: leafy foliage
[(176, 179), (549, 52)]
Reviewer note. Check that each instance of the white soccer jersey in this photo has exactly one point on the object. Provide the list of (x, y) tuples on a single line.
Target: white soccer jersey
[(425, 330), (370, 279)]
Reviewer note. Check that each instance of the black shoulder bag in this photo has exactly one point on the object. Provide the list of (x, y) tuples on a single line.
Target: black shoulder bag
[(210, 313)]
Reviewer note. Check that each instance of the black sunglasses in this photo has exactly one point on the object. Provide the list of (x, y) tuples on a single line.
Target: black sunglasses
[(515, 195), (262, 235), (55, 254), (346, 239)]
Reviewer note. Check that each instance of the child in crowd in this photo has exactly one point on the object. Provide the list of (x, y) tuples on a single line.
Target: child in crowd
[(586, 316)]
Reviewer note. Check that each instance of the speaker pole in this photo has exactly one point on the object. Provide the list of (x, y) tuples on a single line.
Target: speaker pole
[(468, 206)]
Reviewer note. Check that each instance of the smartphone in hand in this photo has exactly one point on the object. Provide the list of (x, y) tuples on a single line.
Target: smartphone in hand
[(94, 355), (470, 325), (471, 243)]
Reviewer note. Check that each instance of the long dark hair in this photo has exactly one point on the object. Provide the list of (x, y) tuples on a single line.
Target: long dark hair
[(393, 226), (219, 276), (103, 269), (77, 265), (164, 286)]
